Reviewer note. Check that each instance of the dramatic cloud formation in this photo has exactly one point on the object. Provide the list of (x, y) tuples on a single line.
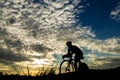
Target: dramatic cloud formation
[(36, 33)]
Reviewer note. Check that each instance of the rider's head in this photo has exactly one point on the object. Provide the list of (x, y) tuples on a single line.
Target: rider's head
[(68, 43)]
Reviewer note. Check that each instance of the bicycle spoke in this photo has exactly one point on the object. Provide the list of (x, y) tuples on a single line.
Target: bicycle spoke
[(66, 67)]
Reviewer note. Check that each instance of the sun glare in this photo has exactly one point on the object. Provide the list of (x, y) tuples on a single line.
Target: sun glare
[(40, 62)]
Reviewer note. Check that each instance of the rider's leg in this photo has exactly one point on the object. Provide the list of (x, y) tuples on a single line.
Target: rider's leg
[(77, 62), (75, 65)]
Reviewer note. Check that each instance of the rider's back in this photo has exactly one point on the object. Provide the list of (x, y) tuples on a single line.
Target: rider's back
[(74, 49)]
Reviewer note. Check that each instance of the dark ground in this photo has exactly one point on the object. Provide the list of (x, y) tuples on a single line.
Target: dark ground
[(110, 74)]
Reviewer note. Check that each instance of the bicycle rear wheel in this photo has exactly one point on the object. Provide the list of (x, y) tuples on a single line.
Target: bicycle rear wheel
[(83, 67), (66, 66)]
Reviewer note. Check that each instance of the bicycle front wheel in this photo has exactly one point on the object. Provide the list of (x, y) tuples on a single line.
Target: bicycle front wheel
[(66, 66)]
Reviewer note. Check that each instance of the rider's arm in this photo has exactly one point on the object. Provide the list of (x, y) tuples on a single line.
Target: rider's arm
[(69, 53)]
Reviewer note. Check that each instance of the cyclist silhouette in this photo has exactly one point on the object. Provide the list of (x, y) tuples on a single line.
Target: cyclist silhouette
[(72, 49)]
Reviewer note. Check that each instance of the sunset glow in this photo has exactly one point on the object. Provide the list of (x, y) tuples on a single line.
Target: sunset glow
[(34, 33)]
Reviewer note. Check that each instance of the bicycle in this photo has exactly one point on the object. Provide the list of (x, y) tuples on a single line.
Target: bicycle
[(67, 65)]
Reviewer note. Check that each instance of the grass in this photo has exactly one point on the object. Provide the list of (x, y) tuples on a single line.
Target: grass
[(50, 74), (26, 74), (41, 71)]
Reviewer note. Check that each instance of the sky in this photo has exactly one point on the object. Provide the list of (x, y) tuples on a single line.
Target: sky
[(102, 15), (34, 33)]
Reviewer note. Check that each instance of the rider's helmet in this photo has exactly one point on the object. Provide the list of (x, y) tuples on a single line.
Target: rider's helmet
[(68, 43)]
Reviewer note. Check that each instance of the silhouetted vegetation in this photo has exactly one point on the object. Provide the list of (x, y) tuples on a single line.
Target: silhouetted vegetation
[(92, 74)]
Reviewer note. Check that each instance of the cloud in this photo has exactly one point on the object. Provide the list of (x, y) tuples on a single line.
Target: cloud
[(115, 14), (104, 61), (42, 29), (9, 56), (40, 48), (38, 30), (109, 62), (109, 46)]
